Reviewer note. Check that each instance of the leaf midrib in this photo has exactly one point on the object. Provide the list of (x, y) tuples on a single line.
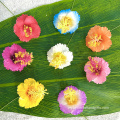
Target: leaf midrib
[(46, 81)]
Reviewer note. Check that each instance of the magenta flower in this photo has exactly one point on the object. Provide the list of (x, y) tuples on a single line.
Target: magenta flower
[(16, 58), (96, 70), (26, 28), (71, 100)]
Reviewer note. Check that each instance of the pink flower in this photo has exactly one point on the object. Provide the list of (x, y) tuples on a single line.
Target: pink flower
[(96, 70), (26, 28), (16, 58)]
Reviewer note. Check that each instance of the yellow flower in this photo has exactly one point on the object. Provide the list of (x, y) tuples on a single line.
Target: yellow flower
[(31, 93)]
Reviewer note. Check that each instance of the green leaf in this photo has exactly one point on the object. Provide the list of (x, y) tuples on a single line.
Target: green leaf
[(101, 99)]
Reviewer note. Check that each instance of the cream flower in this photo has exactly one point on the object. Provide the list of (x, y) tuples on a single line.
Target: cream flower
[(59, 56)]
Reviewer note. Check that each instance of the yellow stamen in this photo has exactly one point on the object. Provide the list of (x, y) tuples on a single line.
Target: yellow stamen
[(36, 93), (22, 55), (91, 68), (70, 96), (25, 31), (97, 73), (58, 59), (95, 40), (64, 24)]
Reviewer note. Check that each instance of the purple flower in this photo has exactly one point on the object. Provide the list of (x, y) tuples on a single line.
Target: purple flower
[(72, 100), (16, 58)]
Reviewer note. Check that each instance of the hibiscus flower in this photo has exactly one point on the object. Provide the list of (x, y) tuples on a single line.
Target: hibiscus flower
[(96, 70), (16, 58), (26, 28), (98, 39)]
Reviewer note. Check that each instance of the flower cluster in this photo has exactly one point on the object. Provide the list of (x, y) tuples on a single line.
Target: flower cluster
[(71, 99)]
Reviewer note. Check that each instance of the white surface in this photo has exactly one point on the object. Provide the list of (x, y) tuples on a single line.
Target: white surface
[(16, 116), (19, 6)]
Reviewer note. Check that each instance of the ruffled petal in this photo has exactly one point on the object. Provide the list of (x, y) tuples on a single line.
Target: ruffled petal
[(90, 76), (64, 109), (100, 79), (20, 20), (30, 20), (35, 31)]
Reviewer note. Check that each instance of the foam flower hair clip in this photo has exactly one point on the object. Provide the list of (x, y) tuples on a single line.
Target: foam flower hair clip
[(59, 56), (98, 39), (16, 58), (26, 28), (96, 70), (30, 93), (66, 21), (72, 100)]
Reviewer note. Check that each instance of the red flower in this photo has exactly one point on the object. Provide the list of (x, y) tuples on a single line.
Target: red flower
[(26, 28)]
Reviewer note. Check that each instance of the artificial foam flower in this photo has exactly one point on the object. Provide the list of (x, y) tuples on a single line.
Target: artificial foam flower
[(66, 21), (31, 93), (72, 100), (98, 38), (16, 58), (96, 70), (59, 56), (26, 28)]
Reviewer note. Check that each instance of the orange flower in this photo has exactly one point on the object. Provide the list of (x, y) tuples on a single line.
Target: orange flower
[(98, 38)]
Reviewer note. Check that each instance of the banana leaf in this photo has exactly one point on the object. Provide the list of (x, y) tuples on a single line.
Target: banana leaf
[(101, 98)]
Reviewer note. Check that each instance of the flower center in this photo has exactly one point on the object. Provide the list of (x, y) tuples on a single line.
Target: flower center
[(27, 31), (64, 24), (94, 67), (34, 93), (58, 59), (24, 58), (95, 40), (70, 96)]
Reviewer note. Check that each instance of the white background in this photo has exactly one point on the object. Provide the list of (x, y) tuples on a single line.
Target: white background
[(19, 6)]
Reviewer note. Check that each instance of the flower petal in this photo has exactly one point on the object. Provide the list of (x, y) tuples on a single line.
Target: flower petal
[(20, 20), (64, 109), (77, 111), (90, 77), (30, 20), (100, 79), (35, 31)]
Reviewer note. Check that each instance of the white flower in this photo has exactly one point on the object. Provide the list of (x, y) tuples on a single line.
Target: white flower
[(66, 21), (59, 56)]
